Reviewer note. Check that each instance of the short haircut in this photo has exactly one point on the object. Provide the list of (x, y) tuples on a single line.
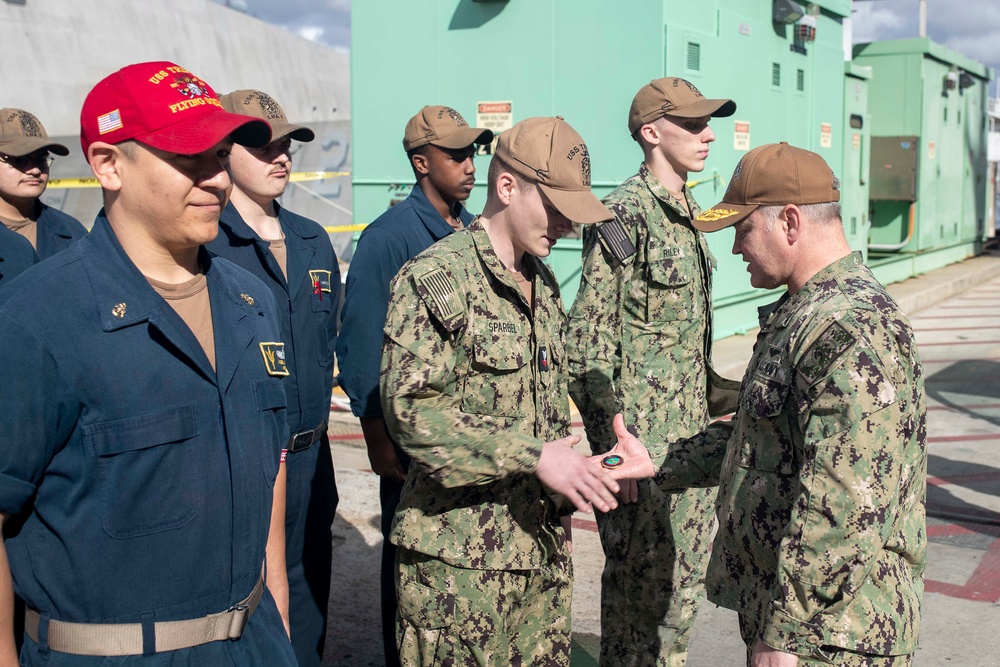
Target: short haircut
[(128, 147), (819, 213), (497, 167), (419, 150)]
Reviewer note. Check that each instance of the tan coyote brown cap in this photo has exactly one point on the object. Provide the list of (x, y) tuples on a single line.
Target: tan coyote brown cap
[(771, 175), (443, 127), (672, 96), (22, 133), (549, 152), (261, 105)]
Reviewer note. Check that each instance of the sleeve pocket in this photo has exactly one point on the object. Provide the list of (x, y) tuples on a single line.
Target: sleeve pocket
[(269, 395)]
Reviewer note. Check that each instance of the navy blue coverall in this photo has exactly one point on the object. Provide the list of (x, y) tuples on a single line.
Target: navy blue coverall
[(56, 231), (16, 254), (307, 311), (138, 479)]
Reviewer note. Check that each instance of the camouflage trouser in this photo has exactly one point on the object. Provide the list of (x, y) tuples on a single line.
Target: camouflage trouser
[(826, 655), (654, 575), (453, 617)]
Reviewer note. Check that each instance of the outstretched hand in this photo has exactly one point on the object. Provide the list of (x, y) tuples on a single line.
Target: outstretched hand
[(635, 460)]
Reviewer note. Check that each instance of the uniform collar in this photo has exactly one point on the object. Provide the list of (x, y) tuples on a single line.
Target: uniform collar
[(484, 247), (435, 224), (781, 312), (661, 193), (124, 296), (233, 221), (49, 220)]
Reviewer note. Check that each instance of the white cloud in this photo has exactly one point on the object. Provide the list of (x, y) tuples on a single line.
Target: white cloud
[(969, 27), (311, 32)]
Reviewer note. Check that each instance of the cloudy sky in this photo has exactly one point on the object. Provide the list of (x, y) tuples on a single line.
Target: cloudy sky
[(971, 27)]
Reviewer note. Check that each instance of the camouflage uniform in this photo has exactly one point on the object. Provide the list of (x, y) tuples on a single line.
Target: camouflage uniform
[(639, 341), (822, 537), (472, 387)]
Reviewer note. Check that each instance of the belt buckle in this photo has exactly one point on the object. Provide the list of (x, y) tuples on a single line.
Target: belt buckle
[(240, 619), (301, 440)]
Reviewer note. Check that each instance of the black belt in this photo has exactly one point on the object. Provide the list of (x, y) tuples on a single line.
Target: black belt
[(305, 439)]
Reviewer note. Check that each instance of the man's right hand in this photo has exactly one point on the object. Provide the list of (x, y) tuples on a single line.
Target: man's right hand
[(381, 452), (636, 463), (564, 470)]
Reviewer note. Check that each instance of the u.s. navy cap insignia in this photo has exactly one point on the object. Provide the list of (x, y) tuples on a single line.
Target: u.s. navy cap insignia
[(274, 358), (320, 278)]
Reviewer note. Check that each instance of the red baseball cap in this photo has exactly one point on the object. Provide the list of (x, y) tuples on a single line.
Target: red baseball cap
[(164, 106)]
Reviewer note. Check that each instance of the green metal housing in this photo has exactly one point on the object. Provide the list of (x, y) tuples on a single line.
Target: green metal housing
[(585, 60), (928, 111)]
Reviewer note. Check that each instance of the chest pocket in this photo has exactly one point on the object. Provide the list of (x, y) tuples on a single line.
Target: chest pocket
[(150, 477), (498, 383), (321, 288), (668, 293), (767, 443)]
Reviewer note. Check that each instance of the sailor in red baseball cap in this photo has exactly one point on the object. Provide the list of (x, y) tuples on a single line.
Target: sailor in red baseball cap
[(144, 463)]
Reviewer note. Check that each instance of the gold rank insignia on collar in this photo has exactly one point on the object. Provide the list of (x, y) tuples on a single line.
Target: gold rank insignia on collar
[(247, 298), (274, 359), (119, 310)]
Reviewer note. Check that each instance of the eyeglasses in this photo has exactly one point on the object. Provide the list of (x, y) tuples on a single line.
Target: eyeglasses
[(26, 162)]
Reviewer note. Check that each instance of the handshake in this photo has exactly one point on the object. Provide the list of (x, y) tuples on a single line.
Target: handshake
[(593, 482)]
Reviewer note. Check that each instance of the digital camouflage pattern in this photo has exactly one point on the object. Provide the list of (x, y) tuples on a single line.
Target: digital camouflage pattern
[(508, 617), (472, 386), (826, 656), (821, 497), (639, 342), (822, 537)]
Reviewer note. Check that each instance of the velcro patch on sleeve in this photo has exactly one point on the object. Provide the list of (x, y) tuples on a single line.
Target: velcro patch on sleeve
[(616, 240), (438, 290), (825, 350)]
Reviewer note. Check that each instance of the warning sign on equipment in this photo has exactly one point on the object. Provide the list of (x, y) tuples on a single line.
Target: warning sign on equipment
[(496, 116)]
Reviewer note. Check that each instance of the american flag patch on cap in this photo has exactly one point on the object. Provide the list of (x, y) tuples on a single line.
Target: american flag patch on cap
[(109, 122)]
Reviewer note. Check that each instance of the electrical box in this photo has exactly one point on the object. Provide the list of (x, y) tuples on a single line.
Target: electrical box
[(928, 107), (894, 168)]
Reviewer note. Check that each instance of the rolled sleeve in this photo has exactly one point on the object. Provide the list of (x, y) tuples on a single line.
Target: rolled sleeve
[(33, 428)]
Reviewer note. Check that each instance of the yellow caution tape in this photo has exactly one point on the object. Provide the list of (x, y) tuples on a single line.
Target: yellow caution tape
[(346, 228), (74, 183), (716, 177), (296, 177), (299, 176)]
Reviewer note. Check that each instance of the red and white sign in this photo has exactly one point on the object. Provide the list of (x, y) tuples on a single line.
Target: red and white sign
[(741, 135), (825, 135), (496, 116)]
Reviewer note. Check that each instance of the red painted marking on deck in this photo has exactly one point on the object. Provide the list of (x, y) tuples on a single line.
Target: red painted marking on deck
[(347, 436), (959, 342), (948, 317), (982, 586), (963, 479), (965, 438), (921, 330), (584, 524), (964, 408)]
